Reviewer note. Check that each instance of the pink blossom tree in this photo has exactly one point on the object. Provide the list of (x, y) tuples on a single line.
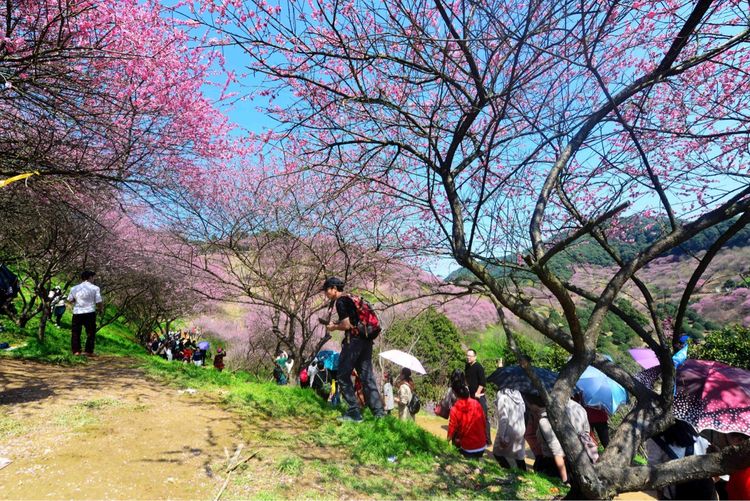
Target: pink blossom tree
[(104, 92), (513, 130)]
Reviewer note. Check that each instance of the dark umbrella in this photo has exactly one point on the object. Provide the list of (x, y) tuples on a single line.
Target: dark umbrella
[(710, 395), (649, 376), (515, 378)]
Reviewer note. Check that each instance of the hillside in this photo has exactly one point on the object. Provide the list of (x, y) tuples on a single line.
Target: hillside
[(641, 233), (718, 298), (722, 296)]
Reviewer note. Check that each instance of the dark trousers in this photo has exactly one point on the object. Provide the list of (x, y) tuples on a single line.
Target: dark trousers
[(546, 465), (602, 431), (357, 354), (515, 463), (483, 401), (471, 455), (87, 320), (58, 312)]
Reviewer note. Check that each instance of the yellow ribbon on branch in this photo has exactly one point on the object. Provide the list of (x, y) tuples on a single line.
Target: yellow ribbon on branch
[(6, 182)]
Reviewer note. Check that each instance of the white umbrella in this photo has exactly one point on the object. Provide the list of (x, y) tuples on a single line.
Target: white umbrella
[(404, 359)]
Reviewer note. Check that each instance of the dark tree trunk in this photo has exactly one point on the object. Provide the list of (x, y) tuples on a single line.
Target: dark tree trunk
[(43, 323)]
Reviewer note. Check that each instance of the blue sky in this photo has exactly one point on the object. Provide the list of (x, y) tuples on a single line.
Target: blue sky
[(245, 114)]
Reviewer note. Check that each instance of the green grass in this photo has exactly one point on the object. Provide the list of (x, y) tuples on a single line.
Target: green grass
[(113, 339), (291, 465), (11, 427), (76, 418), (100, 403)]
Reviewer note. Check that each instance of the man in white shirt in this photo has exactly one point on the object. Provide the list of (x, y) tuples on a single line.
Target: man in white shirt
[(86, 299)]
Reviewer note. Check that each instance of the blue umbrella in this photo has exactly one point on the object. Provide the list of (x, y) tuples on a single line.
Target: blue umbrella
[(204, 345), (601, 391), (330, 359)]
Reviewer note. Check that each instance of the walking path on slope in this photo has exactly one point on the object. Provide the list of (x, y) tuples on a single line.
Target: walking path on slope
[(102, 431)]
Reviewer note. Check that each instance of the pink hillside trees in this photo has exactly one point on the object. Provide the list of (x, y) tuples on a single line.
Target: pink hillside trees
[(270, 240), (512, 130)]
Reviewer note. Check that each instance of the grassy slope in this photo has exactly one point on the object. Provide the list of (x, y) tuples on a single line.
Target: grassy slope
[(351, 460)]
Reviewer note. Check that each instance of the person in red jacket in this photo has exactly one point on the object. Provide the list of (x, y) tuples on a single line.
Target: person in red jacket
[(466, 423), (739, 481)]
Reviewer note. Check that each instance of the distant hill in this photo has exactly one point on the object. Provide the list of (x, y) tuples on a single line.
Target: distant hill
[(642, 232)]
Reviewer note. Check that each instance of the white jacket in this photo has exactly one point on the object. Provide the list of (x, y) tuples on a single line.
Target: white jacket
[(511, 427)]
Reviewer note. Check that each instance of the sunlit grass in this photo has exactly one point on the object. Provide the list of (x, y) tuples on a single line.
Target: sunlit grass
[(290, 465), (100, 403), (75, 418), (113, 339), (11, 427)]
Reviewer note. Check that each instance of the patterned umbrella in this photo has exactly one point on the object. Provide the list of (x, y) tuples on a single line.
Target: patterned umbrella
[(515, 378), (710, 395), (649, 377)]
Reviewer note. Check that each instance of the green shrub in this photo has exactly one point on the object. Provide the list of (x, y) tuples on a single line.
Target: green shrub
[(730, 345), (435, 341)]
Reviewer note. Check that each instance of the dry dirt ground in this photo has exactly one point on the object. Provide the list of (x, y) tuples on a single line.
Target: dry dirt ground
[(103, 431)]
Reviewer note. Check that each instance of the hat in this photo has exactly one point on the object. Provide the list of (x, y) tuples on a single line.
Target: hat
[(332, 282)]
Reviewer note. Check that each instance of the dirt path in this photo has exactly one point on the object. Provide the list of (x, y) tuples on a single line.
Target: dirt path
[(102, 430)]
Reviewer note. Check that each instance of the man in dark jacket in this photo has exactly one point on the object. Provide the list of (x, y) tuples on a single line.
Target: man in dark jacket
[(476, 382), (356, 352)]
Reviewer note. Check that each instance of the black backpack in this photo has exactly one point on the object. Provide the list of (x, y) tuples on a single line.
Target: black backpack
[(9, 285), (414, 404)]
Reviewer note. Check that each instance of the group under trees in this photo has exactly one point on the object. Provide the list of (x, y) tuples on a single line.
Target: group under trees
[(102, 101), (516, 129), (49, 242), (46, 244)]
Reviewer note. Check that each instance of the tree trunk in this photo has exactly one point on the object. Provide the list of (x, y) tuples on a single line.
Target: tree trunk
[(22, 320), (43, 324)]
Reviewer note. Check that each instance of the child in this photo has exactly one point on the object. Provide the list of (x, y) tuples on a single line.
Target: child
[(198, 358), (219, 359)]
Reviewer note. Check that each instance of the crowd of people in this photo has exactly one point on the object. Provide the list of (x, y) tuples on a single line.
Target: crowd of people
[(184, 346), (521, 419)]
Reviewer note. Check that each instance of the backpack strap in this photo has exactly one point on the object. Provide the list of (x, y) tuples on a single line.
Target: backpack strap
[(667, 449), (354, 331)]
